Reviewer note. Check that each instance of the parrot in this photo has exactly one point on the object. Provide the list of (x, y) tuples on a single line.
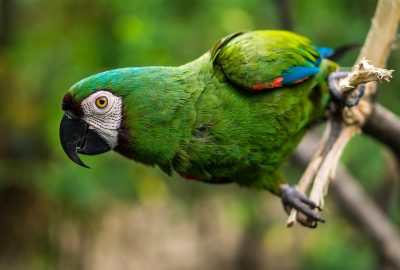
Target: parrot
[(233, 115)]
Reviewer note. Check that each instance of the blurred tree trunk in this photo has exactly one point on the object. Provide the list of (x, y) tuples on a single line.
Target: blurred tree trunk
[(5, 27), (24, 219), (251, 253), (285, 14)]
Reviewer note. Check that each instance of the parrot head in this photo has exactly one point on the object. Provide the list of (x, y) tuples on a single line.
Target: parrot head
[(93, 114)]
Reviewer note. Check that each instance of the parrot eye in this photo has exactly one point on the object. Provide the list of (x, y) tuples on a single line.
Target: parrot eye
[(101, 102)]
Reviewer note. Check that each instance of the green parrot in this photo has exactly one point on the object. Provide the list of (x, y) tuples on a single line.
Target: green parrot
[(232, 115)]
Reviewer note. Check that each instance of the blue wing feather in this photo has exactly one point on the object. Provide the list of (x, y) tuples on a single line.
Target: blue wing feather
[(298, 73), (295, 74)]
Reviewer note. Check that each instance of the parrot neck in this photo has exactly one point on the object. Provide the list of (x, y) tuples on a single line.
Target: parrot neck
[(159, 111)]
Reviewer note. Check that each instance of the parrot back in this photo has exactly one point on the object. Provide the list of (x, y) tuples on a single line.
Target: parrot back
[(268, 59)]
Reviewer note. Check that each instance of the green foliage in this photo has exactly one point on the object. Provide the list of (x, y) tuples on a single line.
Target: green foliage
[(335, 253)]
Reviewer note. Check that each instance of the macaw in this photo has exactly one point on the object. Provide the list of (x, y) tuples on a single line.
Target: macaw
[(232, 115)]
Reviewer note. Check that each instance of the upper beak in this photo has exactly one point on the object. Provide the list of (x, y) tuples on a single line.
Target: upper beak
[(76, 137)]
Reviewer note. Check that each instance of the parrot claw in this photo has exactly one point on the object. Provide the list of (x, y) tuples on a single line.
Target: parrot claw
[(340, 97), (292, 198)]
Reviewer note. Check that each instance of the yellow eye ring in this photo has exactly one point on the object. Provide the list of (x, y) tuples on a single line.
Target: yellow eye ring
[(101, 102)]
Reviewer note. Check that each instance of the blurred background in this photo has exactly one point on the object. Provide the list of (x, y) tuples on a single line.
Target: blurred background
[(122, 215)]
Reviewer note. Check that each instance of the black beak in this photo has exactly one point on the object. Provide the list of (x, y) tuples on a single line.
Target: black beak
[(76, 137)]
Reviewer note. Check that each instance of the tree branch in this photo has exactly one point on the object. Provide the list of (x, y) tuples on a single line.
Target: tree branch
[(357, 203), (347, 122), (382, 33), (384, 126)]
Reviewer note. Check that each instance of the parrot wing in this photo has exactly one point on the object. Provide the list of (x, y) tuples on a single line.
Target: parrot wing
[(267, 59)]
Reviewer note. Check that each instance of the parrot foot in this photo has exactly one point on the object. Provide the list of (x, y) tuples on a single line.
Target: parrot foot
[(338, 96), (292, 198)]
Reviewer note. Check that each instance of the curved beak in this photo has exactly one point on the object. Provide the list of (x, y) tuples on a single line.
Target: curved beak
[(76, 137)]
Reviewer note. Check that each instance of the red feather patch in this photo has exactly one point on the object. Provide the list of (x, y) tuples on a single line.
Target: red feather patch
[(275, 83), (258, 86)]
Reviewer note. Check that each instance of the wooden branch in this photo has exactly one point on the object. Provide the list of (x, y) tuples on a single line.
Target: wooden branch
[(340, 129), (384, 126), (363, 211), (348, 121), (364, 73), (382, 33)]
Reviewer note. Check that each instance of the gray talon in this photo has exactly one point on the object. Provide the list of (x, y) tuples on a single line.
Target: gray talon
[(338, 96), (292, 198)]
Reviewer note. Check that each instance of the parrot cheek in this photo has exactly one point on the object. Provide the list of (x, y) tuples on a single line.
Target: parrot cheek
[(76, 137)]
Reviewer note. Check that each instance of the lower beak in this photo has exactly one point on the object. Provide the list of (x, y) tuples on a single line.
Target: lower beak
[(76, 137)]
